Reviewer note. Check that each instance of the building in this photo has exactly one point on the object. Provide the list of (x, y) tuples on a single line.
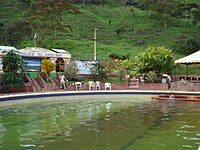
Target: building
[(33, 57), (7, 48), (85, 67)]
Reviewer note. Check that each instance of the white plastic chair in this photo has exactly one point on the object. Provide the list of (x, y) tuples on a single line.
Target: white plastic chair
[(78, 85), (91, 85), (98, 85), (107, 86)]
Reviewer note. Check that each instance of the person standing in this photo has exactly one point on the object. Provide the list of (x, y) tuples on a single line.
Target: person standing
[(169, 80), (62, 81)]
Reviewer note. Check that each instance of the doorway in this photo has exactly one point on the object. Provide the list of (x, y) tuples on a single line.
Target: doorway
[(60, 63)]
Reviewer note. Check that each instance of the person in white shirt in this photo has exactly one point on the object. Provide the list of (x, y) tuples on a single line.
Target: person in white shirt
[(62, 81), (169, 80)]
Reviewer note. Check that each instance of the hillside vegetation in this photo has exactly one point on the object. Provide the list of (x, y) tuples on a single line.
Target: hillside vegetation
[(121, 29)]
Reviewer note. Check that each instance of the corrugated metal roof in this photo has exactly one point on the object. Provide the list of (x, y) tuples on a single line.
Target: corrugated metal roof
[(7, 48), (60, 51)]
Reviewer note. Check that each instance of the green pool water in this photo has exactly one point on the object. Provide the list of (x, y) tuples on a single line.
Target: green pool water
[(114, 122)]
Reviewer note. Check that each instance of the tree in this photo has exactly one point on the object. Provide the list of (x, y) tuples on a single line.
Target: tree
[(98, 70), (101, 70), (121, 69), (47, 66), (2, 33), (25, 3), (126, 67), (164, 7), (70, 70), (109, 66), (186, 9), (187, 45), (49, 13), (83, 3), (158, 59), (96, 2), (13, 72), (152, 77), (119, 57), (131, 2), (94, 67), (17, 32)]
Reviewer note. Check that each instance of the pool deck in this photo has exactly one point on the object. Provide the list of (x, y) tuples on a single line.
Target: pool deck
[(20, 96)]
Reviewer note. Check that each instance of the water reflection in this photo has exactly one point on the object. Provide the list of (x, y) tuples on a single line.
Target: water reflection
[(2, 132), (108, 106), (103, 125)]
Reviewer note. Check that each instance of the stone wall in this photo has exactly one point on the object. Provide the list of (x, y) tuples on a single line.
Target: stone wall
[(50, 87), (177, 86), (185, 86), (27, 87), (142, 86), (153, 86)]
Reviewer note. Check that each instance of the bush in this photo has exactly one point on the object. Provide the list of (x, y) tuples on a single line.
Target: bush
[(157, 59), (119, 57), (152, 77), (131, 2), (96, 2), (70, 70), (13, 72)]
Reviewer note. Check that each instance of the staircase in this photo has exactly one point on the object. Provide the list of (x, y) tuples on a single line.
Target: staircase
[(56, 80), (39, 84), (57, 83), (35, 83), (36, 86)]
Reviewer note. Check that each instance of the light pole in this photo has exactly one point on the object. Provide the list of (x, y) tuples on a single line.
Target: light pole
[(95, 43)]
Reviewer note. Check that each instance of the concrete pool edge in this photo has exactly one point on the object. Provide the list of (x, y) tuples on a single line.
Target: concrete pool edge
[(20, 96)]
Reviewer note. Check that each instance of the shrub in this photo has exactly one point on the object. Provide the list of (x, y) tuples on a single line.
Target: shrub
[(13, 72), (157, 59), (152, 77), (70, 70)]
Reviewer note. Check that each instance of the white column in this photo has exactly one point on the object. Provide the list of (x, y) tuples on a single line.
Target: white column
[(95, 43)]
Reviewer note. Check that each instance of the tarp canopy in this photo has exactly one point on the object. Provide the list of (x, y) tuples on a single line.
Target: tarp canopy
[(190, 59)]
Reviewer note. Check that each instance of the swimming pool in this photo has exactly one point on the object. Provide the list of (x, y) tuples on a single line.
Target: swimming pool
[(99, 122)]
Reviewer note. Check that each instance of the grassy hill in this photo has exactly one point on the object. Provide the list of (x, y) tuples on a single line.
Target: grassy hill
[(130, 30)]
